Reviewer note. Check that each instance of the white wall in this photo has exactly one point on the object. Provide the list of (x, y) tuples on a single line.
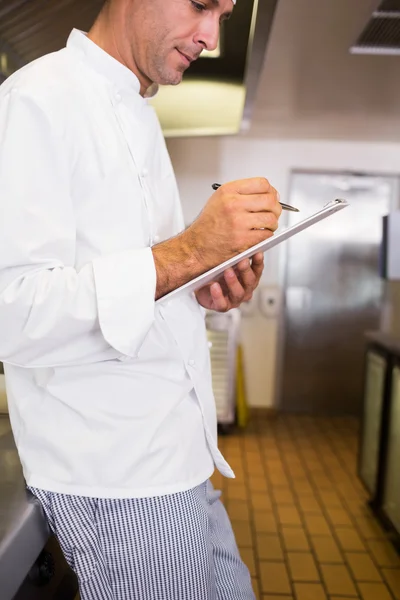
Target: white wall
[(200, 162)]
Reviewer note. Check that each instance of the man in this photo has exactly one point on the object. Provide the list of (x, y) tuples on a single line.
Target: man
[(110, 395)]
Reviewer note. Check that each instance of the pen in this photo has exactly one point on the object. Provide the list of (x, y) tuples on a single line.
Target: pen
[(215, 186)]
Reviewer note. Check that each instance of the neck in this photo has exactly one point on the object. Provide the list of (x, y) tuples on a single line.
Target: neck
[(108, 33)]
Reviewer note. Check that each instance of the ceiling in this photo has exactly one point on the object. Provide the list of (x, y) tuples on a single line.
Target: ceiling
[(215, 91), (311, 86)]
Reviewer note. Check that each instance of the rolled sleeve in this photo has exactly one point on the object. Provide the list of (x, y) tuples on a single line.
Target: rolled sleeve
[(125, 288)]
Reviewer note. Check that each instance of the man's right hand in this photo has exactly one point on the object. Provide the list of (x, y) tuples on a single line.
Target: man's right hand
[(237, 216)]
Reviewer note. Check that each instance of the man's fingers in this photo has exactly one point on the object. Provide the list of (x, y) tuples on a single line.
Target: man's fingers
[(247, 277), (262, 202), (262, 220), (236, 292), (257, 264), (220, 302), (250, 273), (253, 185)]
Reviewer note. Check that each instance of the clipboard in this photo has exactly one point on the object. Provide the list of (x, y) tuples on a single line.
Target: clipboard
[(213, 274)]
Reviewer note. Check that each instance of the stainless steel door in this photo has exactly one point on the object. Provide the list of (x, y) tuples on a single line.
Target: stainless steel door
[(333, 292)]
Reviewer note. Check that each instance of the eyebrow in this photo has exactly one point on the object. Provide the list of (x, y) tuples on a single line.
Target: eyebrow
[(227, 14)]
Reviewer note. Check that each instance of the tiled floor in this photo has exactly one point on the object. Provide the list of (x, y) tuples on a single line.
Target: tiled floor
[(300, 515)]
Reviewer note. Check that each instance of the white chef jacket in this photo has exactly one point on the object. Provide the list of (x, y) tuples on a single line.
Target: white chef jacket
[(109, 394)]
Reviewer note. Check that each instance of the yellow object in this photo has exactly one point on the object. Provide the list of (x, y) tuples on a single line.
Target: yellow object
[(242, 409)]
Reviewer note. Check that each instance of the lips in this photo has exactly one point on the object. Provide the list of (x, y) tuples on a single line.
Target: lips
[(189, 58), (185, 57)]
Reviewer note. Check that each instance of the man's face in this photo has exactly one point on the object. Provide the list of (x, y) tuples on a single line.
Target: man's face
[(167, 35)]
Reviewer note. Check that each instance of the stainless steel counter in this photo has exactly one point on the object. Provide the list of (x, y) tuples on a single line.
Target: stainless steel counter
[(23, 529)]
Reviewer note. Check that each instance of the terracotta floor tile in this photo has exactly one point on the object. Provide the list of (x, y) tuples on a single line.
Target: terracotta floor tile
[(269, 547), (316, 525), (274, 578), (288, 515), (243, 533), (260, 500), (273, 597), (338, 581), (298, 475), (237, 465), (217, 480), (349, 539), (374, 591), (322, 482), (356, 507), (362, 567), (275, 465), (234, 451), (292, 460), (315, 466), (302, 488), (369, 528), (256, 587), (255, 470), (247, 556), (326, 549), (283, 495), (272, 453), (384, 553), (237, 492), (253, 455), (309, 591), (309, 504), (294, 538), (392, 577), (257, 485), (341, 597), (264, 522), (278, 479), (238, 510), (338, 516), (302, 566), (239, 476)]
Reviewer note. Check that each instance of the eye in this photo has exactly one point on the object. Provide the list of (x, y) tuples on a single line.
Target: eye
[(197, 6)]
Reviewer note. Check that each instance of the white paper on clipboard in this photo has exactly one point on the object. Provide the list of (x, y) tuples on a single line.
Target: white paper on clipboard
[(264, 246)]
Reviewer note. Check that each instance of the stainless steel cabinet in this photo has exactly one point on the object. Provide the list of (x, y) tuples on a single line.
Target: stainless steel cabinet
[(391, 490), (375, 375)]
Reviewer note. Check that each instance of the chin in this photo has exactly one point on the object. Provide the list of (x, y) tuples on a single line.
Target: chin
[(174, 78)]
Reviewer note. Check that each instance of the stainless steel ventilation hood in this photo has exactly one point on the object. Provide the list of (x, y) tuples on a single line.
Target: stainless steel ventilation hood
[(381, 34)]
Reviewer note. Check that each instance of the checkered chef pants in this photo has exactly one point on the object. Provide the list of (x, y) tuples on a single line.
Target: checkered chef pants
[(175, 547)]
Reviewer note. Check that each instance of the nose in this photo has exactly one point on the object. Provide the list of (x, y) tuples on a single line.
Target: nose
[(208, 33)]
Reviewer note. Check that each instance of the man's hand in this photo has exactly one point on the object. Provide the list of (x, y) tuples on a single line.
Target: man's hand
[(240, 214), (235, 286)]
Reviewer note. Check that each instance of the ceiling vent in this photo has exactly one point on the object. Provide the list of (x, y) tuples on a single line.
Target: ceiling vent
[(382, 33)]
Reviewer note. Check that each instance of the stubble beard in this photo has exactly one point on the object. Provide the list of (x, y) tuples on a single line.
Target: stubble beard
[(165, 75)]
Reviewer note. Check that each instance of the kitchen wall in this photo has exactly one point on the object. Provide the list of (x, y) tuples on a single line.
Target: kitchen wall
[(199, 162)]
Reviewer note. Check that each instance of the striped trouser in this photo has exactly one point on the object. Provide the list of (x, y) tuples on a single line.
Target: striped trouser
[(175, 547)]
